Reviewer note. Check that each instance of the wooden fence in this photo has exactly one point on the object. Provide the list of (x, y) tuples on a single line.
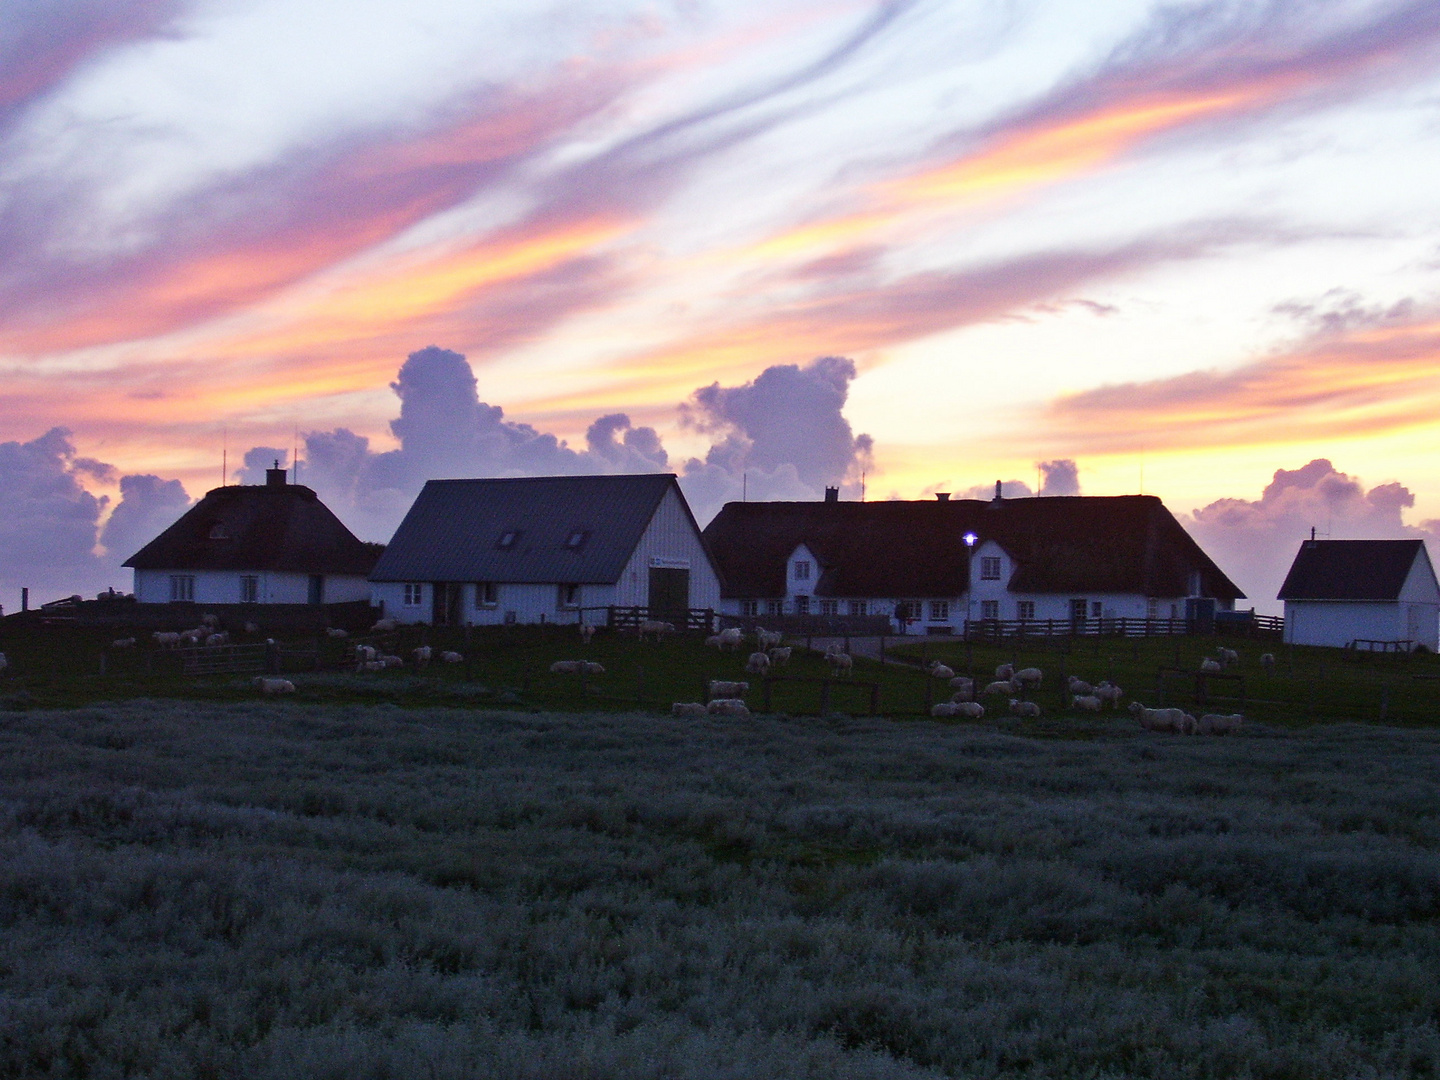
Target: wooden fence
[(996, 630), (694, 621)]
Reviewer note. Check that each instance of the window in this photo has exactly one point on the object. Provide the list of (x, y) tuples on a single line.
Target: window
[(857, 607), (249, 589), (939, 610), (576, 540), (907, 609), (1097, 609), (1152, 608), (182, 588), (990, 568), (802, 605), (487, 594), (507, 539), (1025, 609), (569, 596), (989, 609), (802, 569), (1077, 610), (413, 593), (749, 607), (773, 607), (829, 607)]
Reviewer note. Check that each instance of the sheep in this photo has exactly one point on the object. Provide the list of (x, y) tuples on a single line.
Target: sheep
[(122, 643), (968, 709), (210, 620), (937, 670), (252, 628), (1005, 671), (391, 661), (371, 665), (336, 632), (721, 689), (1085, 702), (1211, 666), (780, 656), (728, 707), (1267, 661), (963, 695), (366, 653), (591, 668), (273, 686), (656, 627), (767, 639), (962, 682), (1024, 708), (1000, 686), (1162, 719), (422, 655), (713, 642), (165, 638), (1077, 685), (382, 626), (1219, 723), (971, 710), (567, 667), (688, 710), (586, 633), (451, 657), (1228, 656), (758, 664), (840, 663), (217, 639), (1030, 676), (1109, 692), (731, 639)]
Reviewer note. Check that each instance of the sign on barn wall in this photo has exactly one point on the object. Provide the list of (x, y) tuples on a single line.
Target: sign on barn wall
[(659, 562)]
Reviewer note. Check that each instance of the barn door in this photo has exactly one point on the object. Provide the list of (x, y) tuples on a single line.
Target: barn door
[(669, 594), (446, 604)]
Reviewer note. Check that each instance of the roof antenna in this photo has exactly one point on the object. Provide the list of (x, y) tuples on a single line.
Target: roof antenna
[(224, 455), (1312, 534), (744, 487), (862, 485), (295, 458)]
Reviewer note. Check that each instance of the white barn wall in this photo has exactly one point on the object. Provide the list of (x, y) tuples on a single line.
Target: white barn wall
[(1338, 622), (223, 586), (671, 536)]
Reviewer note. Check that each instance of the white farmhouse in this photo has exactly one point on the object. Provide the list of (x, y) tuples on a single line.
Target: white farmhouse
[(271, 543), (1373, 591), (545, 549)]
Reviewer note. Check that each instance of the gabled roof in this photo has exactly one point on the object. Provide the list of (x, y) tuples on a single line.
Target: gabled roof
[(1351, 569), (277, 526), (1122, 544), (573, 529)]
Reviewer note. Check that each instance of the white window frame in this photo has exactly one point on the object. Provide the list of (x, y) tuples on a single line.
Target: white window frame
[(774, 607), (990, 567), (829, 607), (859, 608), (413, 594), (182, 588), (249, 588), (1097, 609), (939, 610), (567, 597), (750, 607), (990, 609), (1025, 610), (487, 594), (802, 569)]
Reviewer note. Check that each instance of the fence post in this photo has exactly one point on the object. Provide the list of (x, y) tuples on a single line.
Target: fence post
[(639, 684), (824, 697), (882, 648)]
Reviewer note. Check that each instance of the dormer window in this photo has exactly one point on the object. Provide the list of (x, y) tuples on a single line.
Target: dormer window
[(218, 532), (989, 567), (507, 539), (576, 540), (802, 569)]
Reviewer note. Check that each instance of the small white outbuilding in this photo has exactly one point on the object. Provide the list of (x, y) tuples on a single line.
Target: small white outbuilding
[(1367, 591)]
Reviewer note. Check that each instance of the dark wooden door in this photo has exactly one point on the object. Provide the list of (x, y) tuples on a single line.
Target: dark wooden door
[(669, 594), (445, 609)]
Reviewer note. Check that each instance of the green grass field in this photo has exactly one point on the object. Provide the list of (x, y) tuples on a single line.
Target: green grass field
[(279, 890)]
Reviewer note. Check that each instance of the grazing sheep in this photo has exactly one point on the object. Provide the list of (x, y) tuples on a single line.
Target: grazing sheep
[(969, 709), (165, 638), (713, 642), (391, 661), (1030, 676), (1159, 719), (195, 637), (938, 670), (962, 682), (1109, 692), (728, 707), (336, 632), (586, 633), (371, 665), (720, 689), (1219, 723), (366, 652), (1085, 702), (1210, 666), (1024, 708), (731, 639), (767, 639), (567, 667), (450, 657), (593, 668), (1000, 686), (210, 620), (780, 656), (1005, 671), (656, 627), (273, 686), (422, 655), (122, 643), (1267, 661), (382, 626), (758, 664), (688, 710), (963, 695), (1228, 656), (1077, 685), (840, 663), (252, 628)]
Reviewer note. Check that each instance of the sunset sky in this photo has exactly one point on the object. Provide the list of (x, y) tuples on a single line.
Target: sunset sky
[(1182, 245)]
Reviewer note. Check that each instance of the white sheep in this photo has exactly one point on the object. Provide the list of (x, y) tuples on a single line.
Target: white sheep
[(273, 686), (336, 632), (1085, 702), (731, 638), (758, 664), (165, 638), (963, 695), (221, 638), (1030, 676), (689, 710), (391, 661), (1109, 693), (1005, 671), (937, 670), (1077, 685), (945, 709), (422, 655), (252, 628), (593, 668), (210, 620), (122, 643), (1024, 708), (840, 663), (780, 656), (371, 665), (713, 642), (451, 657), (1219, 723), (1267, 661), (586, 633), (722, 689), (1001, 686), (767, 639), (962, 682), (382, 626), (1211, 666), (728, 707), (1176, 720), (969, 709), (567, 667), (366, 653), (654, 627), (1228, 656)]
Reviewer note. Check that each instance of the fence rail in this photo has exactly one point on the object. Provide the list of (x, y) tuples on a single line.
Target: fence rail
[(223, 659), (991, 630), (693, 621)]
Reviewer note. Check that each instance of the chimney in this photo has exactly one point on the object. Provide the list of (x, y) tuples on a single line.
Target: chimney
[(942, 496), (832, 494), (998, 496), (275, 477)]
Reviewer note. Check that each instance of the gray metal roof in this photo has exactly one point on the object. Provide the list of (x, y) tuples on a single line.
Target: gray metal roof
[(454, 531), (1351, 569)]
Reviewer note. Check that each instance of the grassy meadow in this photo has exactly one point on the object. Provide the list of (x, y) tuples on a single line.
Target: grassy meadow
[(321, 888)]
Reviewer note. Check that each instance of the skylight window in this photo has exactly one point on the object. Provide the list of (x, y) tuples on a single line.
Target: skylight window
[(576, 540), (217, 532), (507, 539)]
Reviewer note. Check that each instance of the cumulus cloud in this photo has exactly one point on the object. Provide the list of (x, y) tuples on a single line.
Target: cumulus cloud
[(148, 505), (1254, 541), (257, 459), (1059, 477), (782, 435)]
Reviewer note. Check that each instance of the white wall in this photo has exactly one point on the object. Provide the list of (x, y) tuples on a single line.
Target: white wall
[(223, 586), (1338, 622), (672, 537)]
